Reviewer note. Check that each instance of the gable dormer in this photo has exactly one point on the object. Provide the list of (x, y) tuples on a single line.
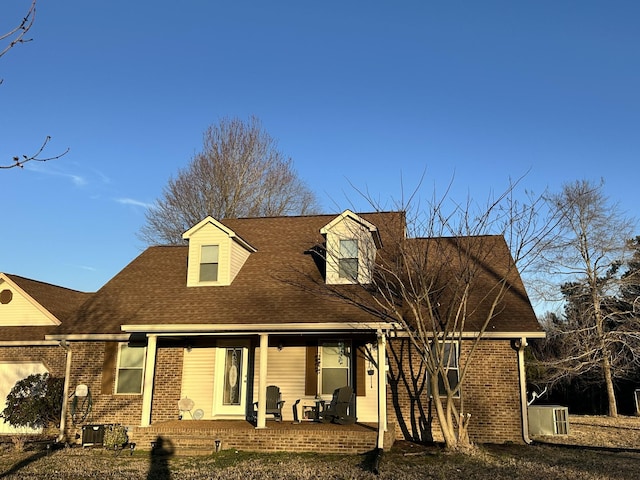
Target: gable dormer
[(351, 246), (216, 254), (19, 309)]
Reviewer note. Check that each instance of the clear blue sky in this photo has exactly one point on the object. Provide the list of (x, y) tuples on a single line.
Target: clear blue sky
[(360, 92)]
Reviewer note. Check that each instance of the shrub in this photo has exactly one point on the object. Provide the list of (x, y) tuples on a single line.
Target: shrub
[(115, 435), (35, 402)]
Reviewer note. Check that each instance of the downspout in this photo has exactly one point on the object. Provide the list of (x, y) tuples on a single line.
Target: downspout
[(520, 345), (65, 391)]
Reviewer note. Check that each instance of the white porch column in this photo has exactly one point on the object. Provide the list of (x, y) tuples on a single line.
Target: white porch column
[(147, 385), (262, 382), (382, 388)]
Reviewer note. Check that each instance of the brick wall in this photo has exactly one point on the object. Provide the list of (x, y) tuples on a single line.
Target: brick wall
[(167, 384), (490, 393), (187, 437), (86, 368), (54, 358)]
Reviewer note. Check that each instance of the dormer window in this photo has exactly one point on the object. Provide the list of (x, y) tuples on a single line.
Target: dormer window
[(351, 246), (209, 263), (216, 254), (348, 261)]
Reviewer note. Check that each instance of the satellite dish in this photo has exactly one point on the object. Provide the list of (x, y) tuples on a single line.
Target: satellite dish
[(198, 414)]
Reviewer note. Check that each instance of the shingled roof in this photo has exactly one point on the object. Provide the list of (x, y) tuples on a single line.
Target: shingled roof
[(483, 264), (278, 284), (269, 289)]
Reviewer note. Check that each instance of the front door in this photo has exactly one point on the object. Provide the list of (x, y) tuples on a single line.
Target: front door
[(231, 380)]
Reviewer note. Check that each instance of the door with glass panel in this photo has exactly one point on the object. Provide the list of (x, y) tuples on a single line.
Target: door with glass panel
[(231, 380)]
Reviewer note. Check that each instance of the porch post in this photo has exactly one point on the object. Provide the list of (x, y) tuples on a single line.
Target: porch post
[(262, 382), (382, 388), (147, 387)]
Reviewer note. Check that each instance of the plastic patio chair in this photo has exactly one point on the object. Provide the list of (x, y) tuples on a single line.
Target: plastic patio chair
[(340, 410), (274, 403)]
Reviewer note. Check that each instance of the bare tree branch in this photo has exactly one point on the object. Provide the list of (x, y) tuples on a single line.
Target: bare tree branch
[(19, 161), (8, 40)]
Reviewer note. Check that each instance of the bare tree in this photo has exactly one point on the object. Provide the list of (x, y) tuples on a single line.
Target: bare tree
[(598, 334), (16, 35), (239, 173), (8, 40), (447, 278)]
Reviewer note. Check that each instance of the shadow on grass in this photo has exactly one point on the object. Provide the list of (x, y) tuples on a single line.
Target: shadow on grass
[(24, 462), (162, 450)]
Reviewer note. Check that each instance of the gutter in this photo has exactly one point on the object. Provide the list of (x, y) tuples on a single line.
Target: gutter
[(519, 345)]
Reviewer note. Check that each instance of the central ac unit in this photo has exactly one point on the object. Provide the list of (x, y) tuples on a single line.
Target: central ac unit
[(548, 420)]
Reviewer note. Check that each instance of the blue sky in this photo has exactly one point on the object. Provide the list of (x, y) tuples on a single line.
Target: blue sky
[(361, 93)]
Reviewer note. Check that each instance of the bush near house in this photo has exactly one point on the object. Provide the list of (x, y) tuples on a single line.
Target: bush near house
[(34, 402)]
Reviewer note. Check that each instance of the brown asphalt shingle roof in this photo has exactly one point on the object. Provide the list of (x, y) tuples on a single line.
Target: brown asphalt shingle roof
[(277, 284)]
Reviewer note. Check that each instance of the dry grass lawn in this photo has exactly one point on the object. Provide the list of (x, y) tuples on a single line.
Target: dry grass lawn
[(597, 448)]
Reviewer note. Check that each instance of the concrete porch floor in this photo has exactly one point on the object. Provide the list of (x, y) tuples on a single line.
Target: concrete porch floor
[(193, 437)]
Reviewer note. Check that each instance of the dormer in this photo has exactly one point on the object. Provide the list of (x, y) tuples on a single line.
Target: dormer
[(216, 254), (351, 246)]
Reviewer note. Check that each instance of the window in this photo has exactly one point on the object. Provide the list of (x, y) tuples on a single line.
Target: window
[(209, 263), (130, 369), (335, 366), (450, 360), (348, 261)]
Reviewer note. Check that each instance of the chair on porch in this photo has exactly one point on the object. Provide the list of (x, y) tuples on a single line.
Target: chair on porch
[(274, 403), (340, 410)]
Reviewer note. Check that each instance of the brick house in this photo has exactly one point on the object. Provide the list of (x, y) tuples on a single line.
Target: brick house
[(249, 303)]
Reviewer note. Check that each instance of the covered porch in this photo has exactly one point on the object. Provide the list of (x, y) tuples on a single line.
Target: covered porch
[(205, 437)]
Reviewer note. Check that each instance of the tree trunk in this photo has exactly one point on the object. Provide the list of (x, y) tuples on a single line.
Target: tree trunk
[(611, 394), (444, 416)]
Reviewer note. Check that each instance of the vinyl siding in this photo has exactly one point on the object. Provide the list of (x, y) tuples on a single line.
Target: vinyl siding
[(349, 229), (209, 235), (21, 311), (197, 379)]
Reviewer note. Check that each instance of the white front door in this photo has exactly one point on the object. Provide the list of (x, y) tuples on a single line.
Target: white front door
[(231, 380)]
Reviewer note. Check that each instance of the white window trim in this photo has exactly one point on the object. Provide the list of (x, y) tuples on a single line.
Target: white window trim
[(349, 278), (144, 358), (349, 356), (200, 263), (455, 368)]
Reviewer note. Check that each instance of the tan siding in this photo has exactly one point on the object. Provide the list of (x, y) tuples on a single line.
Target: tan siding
[(197, 379), (21, 311), (348, 229), (286, 369), (209, 235), (239, 255), (367, 398)]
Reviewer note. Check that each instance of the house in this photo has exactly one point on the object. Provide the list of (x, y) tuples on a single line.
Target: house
[(245, 304)]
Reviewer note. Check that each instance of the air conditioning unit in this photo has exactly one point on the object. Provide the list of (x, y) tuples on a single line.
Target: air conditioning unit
[(92, 435), (548, 420)]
